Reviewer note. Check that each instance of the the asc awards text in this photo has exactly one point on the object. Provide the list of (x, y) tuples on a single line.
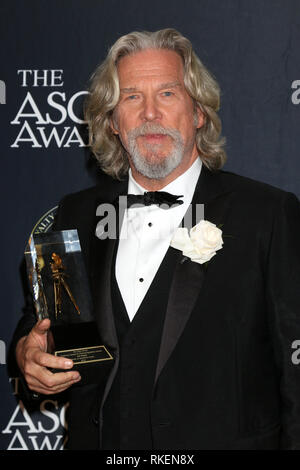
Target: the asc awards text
[(47, 117)]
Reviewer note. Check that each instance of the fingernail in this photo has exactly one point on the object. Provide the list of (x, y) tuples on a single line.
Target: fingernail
[(68, 363)]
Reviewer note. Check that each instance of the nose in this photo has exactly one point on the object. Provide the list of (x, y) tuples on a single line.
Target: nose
[(150, 110)]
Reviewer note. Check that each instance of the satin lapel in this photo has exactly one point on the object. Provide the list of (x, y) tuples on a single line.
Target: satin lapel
[(189, 276), (101, 285), (102, 255)]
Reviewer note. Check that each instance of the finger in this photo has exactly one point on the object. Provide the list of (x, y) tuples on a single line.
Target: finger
[(49, 360), (53, 380), (37, 387), (43, 378)]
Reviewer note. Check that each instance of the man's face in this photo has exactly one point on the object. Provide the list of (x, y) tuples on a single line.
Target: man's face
[(155, 117)]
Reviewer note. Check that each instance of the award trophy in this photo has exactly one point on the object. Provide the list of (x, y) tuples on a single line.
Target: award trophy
[(60, 290)]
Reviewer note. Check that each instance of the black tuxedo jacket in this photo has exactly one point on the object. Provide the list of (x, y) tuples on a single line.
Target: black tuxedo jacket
[(225, 378)]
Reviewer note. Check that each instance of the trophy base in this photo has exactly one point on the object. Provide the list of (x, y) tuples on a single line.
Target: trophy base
[(80, 342)]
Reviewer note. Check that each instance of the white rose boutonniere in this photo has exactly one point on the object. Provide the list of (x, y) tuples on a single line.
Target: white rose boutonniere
[(201, 244)]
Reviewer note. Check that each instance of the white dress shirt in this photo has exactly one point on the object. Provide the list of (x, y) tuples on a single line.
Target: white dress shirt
[(145, 237)]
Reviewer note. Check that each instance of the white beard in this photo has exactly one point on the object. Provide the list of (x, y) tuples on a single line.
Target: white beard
[(147, 166)]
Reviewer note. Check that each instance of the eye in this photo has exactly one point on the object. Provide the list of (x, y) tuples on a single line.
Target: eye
[(132, 97), (168, 93)]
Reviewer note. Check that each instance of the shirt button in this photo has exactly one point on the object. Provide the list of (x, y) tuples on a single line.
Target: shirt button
[(150, 224), (141, 279)]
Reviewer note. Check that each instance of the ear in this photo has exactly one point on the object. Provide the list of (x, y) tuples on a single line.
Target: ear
[(199, 117)]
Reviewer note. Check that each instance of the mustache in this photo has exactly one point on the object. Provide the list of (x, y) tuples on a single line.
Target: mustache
[(154, 128)]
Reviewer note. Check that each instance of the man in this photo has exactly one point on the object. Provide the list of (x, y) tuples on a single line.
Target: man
[(201, 323)]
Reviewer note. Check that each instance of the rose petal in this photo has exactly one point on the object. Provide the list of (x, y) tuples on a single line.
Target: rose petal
[(202, 260), (181, 239)]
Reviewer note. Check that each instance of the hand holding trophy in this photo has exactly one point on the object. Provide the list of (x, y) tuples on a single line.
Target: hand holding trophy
[(36, 364), (60, 291)]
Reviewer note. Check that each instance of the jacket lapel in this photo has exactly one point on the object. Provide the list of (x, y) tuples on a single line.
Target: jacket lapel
[(102, 255), (189, 276)]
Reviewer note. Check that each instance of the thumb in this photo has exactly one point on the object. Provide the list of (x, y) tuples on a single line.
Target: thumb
[(38, 335), (42, 327)]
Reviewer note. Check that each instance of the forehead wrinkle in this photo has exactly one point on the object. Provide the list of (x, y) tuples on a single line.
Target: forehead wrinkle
[(151, 62), (160, 87)]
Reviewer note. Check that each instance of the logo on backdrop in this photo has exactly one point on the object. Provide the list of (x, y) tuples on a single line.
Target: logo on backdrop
[(48, 117), (45, 222), (296, 94), (2, 92)]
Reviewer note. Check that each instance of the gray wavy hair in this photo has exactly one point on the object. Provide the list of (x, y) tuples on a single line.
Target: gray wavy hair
[(104, 94)]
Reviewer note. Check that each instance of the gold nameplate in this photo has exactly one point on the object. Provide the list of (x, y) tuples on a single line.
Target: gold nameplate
[(86, 355)]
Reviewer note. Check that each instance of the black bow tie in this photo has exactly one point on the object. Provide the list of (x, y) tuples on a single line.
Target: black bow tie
[(163, 198)]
